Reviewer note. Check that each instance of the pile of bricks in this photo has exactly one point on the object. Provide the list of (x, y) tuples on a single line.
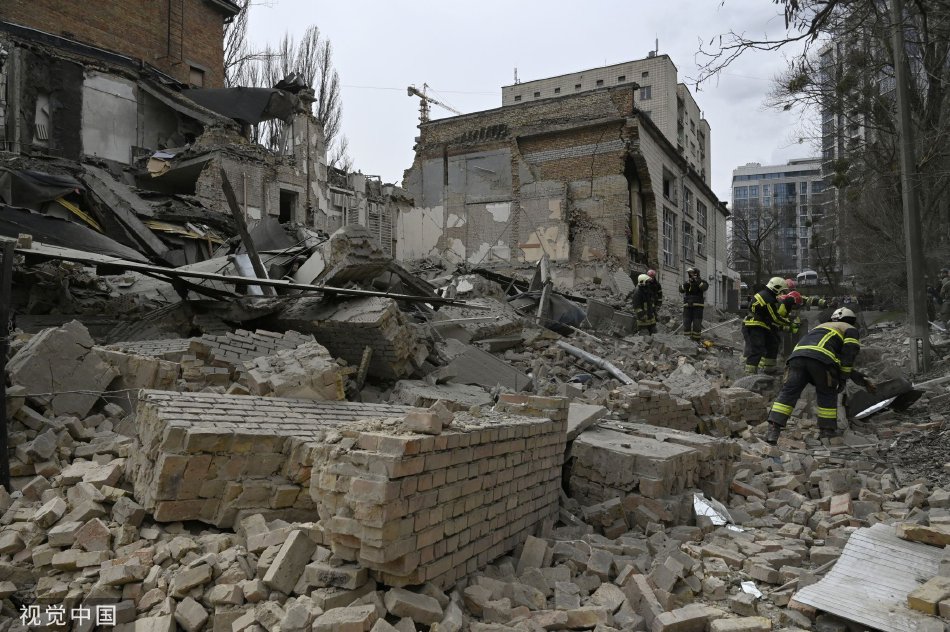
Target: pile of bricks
[(346, 328), (212, 457), (307, 372), (415, 508), (633, 462), (650, 402)]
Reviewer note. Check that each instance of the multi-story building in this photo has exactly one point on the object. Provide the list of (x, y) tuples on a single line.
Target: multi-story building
[(660, 96), (775, 209), (586, 177)]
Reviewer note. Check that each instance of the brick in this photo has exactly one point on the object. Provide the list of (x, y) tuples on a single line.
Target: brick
[(927, 597), (745, 624), (419, 608), (349, 619), (288, 566)]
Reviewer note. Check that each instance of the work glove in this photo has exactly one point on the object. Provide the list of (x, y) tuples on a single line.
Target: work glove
[(794, 328), (822, 303)]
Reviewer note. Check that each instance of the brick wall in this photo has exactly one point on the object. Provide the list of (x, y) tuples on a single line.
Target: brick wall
[(136, 28)]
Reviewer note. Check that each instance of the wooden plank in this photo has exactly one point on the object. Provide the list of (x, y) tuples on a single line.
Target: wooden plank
[(871, 580)]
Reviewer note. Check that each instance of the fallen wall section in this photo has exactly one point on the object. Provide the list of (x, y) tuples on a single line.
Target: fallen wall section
[(415, 508)]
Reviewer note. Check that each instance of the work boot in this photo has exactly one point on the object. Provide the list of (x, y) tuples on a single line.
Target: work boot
[(828, 433), (772, 434)]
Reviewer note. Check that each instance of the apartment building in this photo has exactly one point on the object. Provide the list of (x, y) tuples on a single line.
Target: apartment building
[(776, 210)]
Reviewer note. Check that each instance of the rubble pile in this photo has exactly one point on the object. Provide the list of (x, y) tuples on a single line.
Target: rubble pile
[(480, 477)]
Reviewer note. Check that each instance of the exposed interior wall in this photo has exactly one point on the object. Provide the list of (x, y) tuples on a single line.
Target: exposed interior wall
[(56, 83), (109, 117)]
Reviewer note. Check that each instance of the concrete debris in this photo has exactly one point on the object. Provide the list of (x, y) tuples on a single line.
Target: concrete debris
[(307, 371), (346, 328), (227, 485), (422, 394), (59, 369)]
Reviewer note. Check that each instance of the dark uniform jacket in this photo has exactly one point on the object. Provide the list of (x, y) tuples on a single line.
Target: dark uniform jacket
[(834, 343), (764, 312), (694, 293)]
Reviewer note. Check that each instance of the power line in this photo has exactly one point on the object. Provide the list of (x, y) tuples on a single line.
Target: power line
[(403, 90)]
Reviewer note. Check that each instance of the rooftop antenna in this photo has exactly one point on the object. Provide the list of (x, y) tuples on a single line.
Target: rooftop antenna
[(657, 48), (516, 76)]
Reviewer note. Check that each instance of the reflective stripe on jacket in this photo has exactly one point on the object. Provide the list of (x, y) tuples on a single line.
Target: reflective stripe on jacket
[(834, 343), (764, 312)]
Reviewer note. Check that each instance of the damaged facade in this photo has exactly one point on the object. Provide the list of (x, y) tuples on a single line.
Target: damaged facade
[(590, 179)]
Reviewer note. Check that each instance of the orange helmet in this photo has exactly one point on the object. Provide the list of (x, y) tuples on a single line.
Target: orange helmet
[(790, 284), (795, 296), (651, 274)]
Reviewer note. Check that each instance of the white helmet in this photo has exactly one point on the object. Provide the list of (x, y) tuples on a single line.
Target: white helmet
[(844, 314), (643, 279), (776, 284)]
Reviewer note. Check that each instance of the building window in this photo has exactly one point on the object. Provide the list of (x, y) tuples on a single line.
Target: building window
[(701, 214), (537, 94), (517, 97), (646, 93), (577, 86), (669, 237), (687, 241), (669, 187), (288, 206), (196, 77), (557, 91), (600, 82), (688, 201), (645, 73), (700, 243), (621, 78)]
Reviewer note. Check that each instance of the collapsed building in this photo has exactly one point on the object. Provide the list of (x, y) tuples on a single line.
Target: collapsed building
[(594, 177)]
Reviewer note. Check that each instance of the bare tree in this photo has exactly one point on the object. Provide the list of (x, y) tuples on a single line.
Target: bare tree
[(846, 73), (311, 58), (753, 231)]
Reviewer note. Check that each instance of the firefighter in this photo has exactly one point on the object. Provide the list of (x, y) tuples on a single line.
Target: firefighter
[(642, 302), (825, 358), (694, 299), (657, 290), (761, 327)]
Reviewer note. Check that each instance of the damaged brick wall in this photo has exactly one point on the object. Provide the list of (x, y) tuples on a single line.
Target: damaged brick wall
[(520, 182), (172, 36)]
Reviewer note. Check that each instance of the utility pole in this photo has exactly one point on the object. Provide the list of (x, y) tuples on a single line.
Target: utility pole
[(916, 299)]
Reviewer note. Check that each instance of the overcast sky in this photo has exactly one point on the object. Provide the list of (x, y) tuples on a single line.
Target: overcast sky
[(466, 53)]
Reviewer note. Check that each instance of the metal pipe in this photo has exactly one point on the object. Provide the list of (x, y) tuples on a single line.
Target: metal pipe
[(719, 325), (597, 361)]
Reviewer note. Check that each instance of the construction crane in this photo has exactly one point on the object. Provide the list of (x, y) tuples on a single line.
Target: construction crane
[(425, 100)]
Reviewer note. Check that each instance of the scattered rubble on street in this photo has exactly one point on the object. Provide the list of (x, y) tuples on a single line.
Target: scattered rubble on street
[(280, 478)]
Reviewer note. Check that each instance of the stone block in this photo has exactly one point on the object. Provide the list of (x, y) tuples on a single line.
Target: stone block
[(419, 608), (927, 597), (745, 624), (348, 619), (288, 566), (934, 535)]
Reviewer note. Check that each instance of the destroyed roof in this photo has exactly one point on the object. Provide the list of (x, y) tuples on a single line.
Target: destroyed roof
[(59, 232), (31, 189), (246, 105)]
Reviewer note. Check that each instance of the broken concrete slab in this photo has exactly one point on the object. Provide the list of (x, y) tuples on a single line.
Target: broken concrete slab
[(580, 417), (60, 370), (474, 366), (422, 394), (347, 327)]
